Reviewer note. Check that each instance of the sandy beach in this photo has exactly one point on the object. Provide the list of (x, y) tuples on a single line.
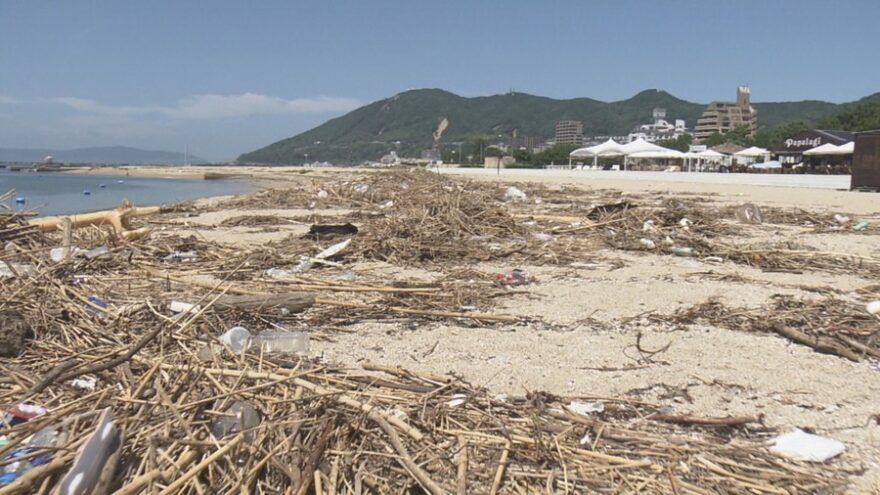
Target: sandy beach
[(599, 318), (714, 371)]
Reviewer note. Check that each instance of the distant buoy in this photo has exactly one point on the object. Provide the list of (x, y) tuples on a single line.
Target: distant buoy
[(120, 181), (87, 192), (102, 186)]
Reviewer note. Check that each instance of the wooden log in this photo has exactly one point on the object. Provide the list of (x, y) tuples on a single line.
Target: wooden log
[(118, 218), (292, 301), (825, 345)]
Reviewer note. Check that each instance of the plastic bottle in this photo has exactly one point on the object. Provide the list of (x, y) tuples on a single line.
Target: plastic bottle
[(238, 339), (98, 251), (282, 342), (683, 251), (240, 416)]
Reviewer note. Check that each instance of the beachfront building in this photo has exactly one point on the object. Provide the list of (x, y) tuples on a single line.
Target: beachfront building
[(570, 132), (791, 150), (724, 116), (659, 130)]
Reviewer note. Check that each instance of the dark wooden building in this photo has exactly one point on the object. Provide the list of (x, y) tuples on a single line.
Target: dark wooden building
[(866, 161)]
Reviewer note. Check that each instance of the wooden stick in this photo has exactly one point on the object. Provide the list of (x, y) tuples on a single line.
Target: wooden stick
[(461, 485), (685, 419), (405, 459), (502, 465), (180, 482), (295, 302), (138, 484), (333, 393)]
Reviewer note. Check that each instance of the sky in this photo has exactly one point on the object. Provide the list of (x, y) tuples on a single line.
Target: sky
[(226, 77)]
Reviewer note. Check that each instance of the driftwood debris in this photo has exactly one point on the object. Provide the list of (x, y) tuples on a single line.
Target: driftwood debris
[(118, 218), (820, 343), (291, 301)]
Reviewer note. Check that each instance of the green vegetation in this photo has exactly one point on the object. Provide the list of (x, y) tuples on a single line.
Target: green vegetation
[(681, 143), (405, 123), (862, 116)]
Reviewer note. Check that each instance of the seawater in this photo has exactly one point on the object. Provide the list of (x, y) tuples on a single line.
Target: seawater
[(54, 193)]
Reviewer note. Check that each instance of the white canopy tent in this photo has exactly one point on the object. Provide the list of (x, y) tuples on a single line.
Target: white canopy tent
[(751, 155), (635, 149), (830, 149), (753, 152), (705, 156), (664, 154), (640, 148), (825, 149), (608, 148)]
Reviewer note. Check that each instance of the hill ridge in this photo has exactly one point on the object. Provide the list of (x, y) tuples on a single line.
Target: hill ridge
[(405, 121)]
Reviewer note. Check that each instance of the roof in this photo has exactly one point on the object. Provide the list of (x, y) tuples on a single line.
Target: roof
[(836, 135)]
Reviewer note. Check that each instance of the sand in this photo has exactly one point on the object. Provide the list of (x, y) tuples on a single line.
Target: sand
[(591, 314)]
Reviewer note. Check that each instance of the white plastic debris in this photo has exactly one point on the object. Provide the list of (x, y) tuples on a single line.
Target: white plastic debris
[(397, 413), (238, 339), (333, 250), (585, 408), (647, 243), (683, 251), (457, 400), (277, 273), (543, 236), (685, 222), (873, 307), (87, 383), (667, 241), (586, 439), (347, 276), (361, 188), (802, 446), (183, 307), (648, 226), (514, 194), (322, 194), (59, 253), (17, 269), (841, 219), (386, 205), (181, 256)]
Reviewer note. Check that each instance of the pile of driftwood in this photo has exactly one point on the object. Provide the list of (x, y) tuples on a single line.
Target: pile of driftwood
[(830, 326), (177, 412), (182, 422)]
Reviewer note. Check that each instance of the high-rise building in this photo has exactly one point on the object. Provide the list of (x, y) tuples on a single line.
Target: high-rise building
[(570, 132), (725, 116), (530, 143)]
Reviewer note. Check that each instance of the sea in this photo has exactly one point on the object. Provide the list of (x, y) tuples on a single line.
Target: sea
[(54, 193)]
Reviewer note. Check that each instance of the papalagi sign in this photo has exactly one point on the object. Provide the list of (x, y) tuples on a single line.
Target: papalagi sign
[(801, 143)]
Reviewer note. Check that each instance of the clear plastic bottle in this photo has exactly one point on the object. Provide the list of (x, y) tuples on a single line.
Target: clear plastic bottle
[(282, 342), (238, 339)]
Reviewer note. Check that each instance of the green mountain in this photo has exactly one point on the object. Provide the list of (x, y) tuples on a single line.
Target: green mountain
[(861, 115), (405, 122)]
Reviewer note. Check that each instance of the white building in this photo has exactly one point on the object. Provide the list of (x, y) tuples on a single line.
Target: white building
[(659, 130)]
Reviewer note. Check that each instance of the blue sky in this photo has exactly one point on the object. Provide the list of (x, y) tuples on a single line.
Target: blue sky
[(225, 77)]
